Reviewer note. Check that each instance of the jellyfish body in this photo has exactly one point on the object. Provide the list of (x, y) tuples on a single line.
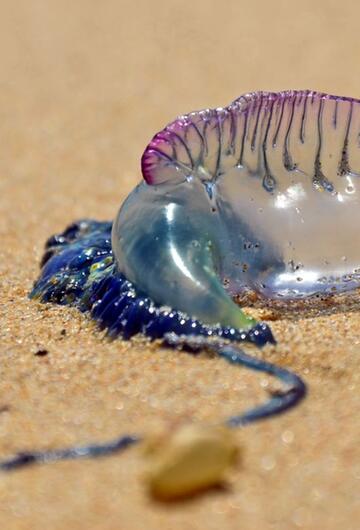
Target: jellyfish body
[(261, 195)]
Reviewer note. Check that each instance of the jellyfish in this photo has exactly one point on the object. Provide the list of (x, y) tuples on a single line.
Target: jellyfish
[(256, 197)]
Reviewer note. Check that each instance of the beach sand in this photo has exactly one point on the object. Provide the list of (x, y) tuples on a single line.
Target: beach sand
[(83, 87)]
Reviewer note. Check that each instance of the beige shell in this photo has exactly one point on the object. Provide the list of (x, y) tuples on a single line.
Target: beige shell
[(188, 460)]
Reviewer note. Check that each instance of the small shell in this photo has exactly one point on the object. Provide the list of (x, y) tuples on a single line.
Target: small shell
[(189, 460)]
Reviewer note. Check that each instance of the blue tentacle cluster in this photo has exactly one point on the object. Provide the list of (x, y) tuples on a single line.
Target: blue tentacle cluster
[(78, 269)]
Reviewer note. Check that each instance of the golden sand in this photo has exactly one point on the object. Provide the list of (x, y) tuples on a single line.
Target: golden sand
[(83, 86)]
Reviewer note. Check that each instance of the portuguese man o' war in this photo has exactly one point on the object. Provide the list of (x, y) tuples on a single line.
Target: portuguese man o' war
[(257, 197)]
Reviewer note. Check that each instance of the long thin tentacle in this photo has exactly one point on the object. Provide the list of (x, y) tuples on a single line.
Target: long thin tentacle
[(278, 403), (85, 451)]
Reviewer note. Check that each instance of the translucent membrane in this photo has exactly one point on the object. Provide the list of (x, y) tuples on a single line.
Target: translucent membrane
[(280, 175)]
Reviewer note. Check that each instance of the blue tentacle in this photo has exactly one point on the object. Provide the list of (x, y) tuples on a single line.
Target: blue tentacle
[(277, 404)]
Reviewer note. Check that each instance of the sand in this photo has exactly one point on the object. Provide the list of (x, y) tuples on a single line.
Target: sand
[(83, 86)]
